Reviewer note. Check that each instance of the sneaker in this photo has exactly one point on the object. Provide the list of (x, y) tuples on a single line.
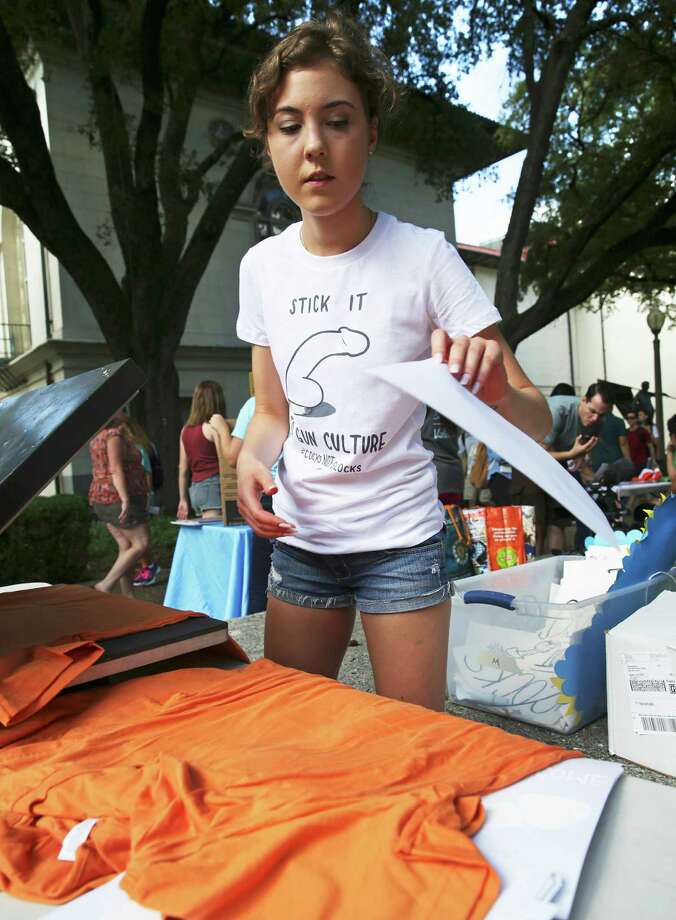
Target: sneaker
[(138, 574), (146, 576), (646, 475)]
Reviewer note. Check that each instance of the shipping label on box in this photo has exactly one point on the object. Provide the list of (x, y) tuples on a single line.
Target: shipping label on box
[(652, 692)]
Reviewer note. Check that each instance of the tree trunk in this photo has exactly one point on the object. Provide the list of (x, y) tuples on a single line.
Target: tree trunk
[(159, 412)]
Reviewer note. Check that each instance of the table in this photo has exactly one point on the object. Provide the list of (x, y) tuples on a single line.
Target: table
[(219, 570), (640, 488)]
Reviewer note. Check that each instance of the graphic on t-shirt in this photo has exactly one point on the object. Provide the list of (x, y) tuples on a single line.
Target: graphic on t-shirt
[(303, 392)]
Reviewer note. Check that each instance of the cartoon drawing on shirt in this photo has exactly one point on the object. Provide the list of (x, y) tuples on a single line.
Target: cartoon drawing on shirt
[(304, 392)]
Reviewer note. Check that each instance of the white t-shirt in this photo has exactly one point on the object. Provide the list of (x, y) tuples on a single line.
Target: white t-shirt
[(354, 475)]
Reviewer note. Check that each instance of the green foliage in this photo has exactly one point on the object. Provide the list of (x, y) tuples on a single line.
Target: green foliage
[(47, 542), (595, 205), (610, 167)]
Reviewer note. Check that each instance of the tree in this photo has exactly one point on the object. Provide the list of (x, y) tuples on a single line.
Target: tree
[(158, 188), (595, 203), (153, 183)]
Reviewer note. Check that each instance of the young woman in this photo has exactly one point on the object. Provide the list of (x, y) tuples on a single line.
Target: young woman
[(118, 495), (356, 518), (147, 571), (198, 473)]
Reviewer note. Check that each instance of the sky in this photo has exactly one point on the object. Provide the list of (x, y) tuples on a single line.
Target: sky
[(481, 209)]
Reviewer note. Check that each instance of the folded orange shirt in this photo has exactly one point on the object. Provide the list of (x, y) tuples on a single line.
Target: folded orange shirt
[(257, 793), (48, 636)]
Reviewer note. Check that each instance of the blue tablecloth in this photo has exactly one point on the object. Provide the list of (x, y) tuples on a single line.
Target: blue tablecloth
[(211, 571)]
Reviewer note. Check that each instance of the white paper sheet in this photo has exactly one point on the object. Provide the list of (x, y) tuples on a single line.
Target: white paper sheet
[(109, 902), (537, 833), (432, 384)]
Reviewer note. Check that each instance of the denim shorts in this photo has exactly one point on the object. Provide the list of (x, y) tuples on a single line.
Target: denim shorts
[(206, 495), (381, 581)]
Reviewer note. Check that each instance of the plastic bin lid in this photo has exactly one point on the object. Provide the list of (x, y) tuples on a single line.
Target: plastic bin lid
[(41, 431)]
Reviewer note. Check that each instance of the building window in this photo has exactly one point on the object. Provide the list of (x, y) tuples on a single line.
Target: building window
[(15, 330)]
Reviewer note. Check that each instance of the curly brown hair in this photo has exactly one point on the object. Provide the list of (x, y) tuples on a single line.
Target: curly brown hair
[(335, 38)]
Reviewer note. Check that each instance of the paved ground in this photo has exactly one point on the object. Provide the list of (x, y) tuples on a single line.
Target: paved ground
[(356, 671)]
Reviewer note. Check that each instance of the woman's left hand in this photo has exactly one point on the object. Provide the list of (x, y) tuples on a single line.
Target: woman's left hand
[(476, 363), (124, 511)]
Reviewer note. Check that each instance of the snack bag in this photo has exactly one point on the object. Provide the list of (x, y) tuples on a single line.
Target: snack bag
[(506, 545)]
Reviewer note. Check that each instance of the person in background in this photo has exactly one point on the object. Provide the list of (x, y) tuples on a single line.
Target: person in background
[(118, 495), (671, 452), (573, 435), (612, 444), (198, 472), (147, 571), (499, 479), (563, 389), (231, 442), (643, 400), (467, 450), (645, 420), (440, 436), (640, 441)]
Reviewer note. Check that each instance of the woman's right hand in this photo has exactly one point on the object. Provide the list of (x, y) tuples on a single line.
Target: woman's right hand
[(254, 479), (182, 512)]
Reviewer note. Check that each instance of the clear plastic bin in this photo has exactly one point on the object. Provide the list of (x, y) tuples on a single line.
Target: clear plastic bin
[(512, 652)]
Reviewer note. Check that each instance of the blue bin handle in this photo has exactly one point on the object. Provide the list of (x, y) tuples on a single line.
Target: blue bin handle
[(495, 598)]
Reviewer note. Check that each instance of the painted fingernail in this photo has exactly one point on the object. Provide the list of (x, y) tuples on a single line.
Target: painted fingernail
[(455, 368), (464, 380), (437, 357), (476, 387)]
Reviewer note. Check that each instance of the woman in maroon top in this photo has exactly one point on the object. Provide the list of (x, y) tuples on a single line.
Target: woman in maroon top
[(198, 459), (640, 442), (118, 497)]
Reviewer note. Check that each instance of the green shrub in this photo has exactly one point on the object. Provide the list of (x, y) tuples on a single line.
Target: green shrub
[(47, 542)]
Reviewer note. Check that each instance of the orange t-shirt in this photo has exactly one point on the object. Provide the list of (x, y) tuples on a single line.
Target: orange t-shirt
[(48, 637), (257, 793)]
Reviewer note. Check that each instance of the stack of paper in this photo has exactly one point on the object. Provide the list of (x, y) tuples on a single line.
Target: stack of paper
[(582, 579)]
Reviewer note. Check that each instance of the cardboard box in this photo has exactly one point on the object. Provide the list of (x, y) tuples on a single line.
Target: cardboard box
[(641, 681)]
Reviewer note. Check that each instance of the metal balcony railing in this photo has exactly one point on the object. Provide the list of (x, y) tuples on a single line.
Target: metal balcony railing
[(15, 339)]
